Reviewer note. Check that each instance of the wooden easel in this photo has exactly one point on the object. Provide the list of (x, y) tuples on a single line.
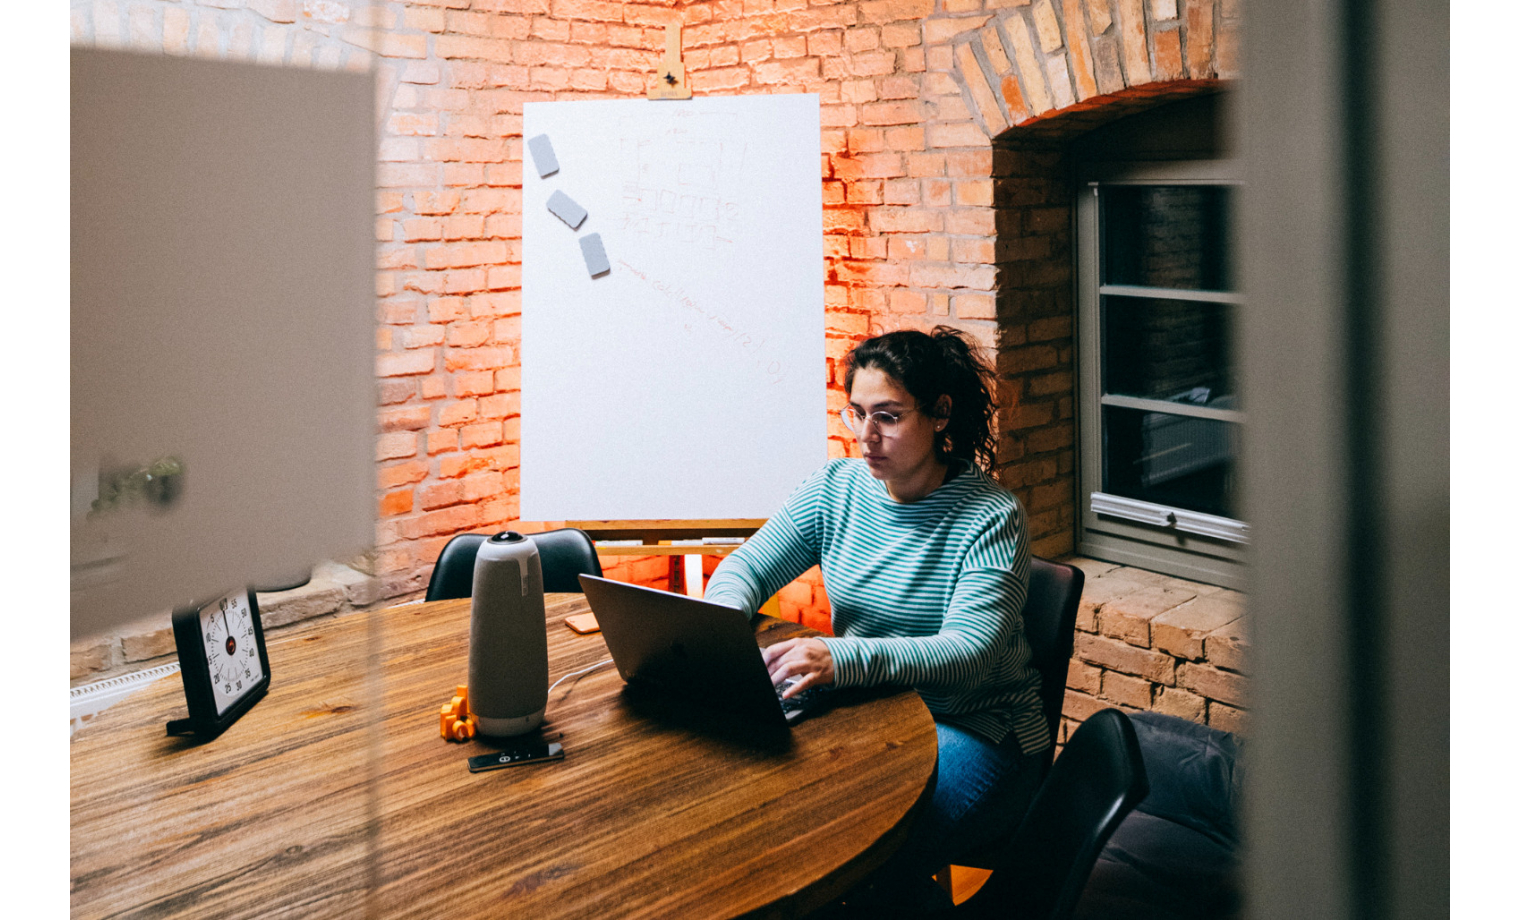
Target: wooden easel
[(659, 538)]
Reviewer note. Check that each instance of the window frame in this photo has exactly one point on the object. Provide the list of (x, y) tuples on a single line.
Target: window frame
[(1115, 528)]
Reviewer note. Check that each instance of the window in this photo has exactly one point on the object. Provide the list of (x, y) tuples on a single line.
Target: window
[(1160, 410)]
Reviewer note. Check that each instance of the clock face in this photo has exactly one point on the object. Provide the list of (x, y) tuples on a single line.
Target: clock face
[(232, 651)]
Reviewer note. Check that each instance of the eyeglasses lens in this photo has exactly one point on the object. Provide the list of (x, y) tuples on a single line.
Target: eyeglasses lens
[(884, 422)]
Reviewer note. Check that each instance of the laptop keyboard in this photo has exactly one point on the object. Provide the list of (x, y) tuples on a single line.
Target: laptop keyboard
[(804, 700)]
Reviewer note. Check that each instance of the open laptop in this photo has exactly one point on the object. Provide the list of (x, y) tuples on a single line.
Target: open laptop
[(694, 649)]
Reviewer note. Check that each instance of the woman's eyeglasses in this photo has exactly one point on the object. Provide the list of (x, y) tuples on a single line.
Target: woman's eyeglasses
[(886, 422)]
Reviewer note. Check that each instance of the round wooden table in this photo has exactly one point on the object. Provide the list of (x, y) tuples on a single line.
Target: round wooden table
[(319, 802)]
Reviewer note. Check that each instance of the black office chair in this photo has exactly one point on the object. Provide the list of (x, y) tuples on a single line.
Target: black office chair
[(564, 554), (1095, 783), (1050, 623)]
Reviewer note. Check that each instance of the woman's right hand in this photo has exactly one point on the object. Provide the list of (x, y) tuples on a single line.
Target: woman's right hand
[(806, 660)]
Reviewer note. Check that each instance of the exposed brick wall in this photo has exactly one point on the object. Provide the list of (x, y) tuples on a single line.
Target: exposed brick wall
[(1148, 642), (925, 220)]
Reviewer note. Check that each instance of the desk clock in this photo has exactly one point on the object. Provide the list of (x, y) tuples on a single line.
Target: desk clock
[(221, 661)]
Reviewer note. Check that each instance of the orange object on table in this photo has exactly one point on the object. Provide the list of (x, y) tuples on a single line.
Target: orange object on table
[(455, 721)]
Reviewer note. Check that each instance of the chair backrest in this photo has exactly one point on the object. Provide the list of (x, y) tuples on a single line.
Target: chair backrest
[(564, 554), (1050, 622), (454, 573), (1091, 788)]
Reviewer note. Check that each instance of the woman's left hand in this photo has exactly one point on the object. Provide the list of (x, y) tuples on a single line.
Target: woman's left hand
[(807, 660)]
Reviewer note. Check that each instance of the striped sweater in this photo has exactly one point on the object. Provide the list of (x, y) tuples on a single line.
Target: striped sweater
[(926, 593)]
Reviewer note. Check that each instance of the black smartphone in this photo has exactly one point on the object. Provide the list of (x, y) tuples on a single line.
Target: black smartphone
[(518, 755)]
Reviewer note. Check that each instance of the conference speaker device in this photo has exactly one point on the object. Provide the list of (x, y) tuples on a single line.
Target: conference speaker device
[(509, 643)]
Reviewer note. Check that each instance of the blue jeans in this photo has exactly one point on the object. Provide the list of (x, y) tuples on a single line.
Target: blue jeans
[(981, 792)]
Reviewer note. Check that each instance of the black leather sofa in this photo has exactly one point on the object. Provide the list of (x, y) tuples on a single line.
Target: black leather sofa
[(1176, 857)]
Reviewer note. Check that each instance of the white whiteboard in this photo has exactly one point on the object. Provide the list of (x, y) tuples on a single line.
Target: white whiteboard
[(689, 381)]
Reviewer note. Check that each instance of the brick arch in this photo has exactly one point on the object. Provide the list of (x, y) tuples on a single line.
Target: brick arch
[(1022, 66), (1005, 85)]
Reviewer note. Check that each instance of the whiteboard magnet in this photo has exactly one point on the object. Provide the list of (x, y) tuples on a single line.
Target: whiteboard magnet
[(565, 208), (595, 255), (543, 156)]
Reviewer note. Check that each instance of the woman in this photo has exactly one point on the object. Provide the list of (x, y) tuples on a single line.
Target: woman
[(926, 565)]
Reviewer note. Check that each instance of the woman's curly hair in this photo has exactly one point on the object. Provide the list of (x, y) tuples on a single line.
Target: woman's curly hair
[(930, 365)]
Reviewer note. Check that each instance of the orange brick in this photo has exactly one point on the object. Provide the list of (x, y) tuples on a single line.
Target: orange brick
[(464, 226), (1110, 74), (1228, 647), (474, 359), (926, 164), (479, 486), (401, 364), (1226, 51), (397, 390), (474, 383), (483, 434), (902, 248), (440, 494), (981, 91), (446, 309), (395, 445), (1137, 63), (1200, 39), (395, 257), (1119, 656), (460, 465), (456, 414), (1018, 109), (405, 418), (469, 335), (932, 275), (1083, 677), (419, 229), (1079, 706), (1049, 384), (398, 474), (445, 520), (501, 405), (394, 503), (1126, 690), (968, 164), (1079, 51), (1180, 703), (891, 113), (435, 202), (1169, 54), (1213, 683), (1226, 718), (424, 336)]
